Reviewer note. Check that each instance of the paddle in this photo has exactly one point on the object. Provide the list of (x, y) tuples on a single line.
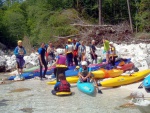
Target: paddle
[(98, 90), (140, 86), (96, 85)]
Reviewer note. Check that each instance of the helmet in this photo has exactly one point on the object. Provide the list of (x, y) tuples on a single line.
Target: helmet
[(84, 63), (111, 43), (77, 67), (19, 41), (60, 51), (69, 40)]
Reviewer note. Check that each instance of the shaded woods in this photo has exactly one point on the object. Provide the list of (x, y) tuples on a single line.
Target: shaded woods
[(41, 20)]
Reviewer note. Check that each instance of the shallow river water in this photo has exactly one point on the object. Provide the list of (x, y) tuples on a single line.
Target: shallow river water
[(34, 96)]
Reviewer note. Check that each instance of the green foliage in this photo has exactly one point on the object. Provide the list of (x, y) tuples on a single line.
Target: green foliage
[(143, 15), (13, 25), (41, 20)]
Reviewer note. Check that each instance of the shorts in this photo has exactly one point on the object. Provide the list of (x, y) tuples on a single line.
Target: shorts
[(20, 63), (107, 52)]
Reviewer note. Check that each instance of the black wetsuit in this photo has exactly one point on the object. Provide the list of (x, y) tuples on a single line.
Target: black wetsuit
[(42, 53)]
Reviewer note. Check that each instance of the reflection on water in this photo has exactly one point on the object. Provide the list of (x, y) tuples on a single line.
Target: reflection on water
[(3, 102), (20, 90)]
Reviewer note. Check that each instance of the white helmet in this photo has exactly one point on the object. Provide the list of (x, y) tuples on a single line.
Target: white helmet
[(84, 63), (60, 51), (111, 43)]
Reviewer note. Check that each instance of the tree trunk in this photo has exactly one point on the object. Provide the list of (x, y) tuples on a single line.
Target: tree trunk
[(129, 15), (100, 12)]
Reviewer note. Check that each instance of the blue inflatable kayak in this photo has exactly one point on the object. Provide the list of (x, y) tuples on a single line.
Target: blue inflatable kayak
[(28, 75), (69, 73), (146, 82), (86, 87)]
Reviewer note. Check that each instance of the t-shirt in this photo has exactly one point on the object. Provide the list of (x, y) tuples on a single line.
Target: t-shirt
[(77, 45), (81, 49), (106, 45), (42, 51)]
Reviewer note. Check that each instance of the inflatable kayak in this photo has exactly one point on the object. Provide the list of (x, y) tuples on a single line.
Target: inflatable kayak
[(49, 68), (71, 73), (146, 82), (28, 75), (126, 67), (69, 79), (86, 87), (63, 93), (125, 79), (31, 69), (107, 73)]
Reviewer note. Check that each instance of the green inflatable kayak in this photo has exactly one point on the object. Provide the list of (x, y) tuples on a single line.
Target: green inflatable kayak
[(31, 69)]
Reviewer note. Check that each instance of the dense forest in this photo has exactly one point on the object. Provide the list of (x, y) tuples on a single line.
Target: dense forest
[(41, 20)]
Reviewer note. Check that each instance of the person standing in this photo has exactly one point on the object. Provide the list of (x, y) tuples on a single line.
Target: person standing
[(106, 49), (113, 55), (92, 52), (81, 52), (75, 52), (69, 53), (19, 53), (50, 53), (42, 60), (60, 61)]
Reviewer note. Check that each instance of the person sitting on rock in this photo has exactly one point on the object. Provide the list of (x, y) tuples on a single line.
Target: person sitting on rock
[(84, 72), (19, 53), (61, 86)]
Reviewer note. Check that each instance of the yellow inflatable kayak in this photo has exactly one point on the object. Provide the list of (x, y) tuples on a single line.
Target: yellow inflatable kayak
[(73, 79), (125, 79), (107, 73), (63, 93)]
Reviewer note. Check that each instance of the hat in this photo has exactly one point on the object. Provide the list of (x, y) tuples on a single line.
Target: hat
[(69, 40), (111, 43), (77, 67)]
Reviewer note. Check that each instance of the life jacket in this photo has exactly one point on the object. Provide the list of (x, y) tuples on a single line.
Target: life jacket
[(62, 60), (84, 72), (112, 49), (70, 48), (20, 50), (64, 86)]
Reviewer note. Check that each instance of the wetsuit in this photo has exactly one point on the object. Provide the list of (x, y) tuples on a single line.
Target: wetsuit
[(93, 55), (42, 51)]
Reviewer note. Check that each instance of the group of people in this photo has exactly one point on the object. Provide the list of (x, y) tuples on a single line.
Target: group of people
[(74, 54)]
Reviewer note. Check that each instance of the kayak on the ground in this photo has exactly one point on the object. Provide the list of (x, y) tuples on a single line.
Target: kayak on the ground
[(86, 87)]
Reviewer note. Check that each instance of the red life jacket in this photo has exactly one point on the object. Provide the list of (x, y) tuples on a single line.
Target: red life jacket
[(64, 86)]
